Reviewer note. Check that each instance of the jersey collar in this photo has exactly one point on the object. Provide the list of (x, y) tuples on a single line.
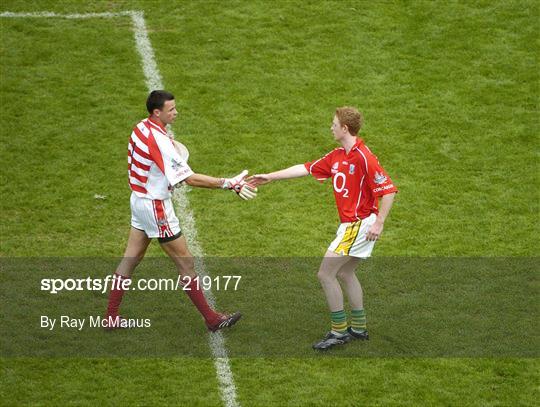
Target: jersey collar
[(357, 143), (157, 125)]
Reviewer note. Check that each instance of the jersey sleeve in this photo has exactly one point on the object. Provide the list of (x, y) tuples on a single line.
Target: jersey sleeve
[(320, 169), (378, 180), (168, 160)]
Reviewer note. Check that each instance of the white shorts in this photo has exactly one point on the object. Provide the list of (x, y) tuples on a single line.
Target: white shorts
[(154, 217), (351, 238)]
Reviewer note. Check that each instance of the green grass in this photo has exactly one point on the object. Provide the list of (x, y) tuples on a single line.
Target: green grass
[(387, 382), (131, 381), (450, 96)]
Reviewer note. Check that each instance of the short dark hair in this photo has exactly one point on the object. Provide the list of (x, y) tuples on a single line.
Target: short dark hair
[(156, 100)]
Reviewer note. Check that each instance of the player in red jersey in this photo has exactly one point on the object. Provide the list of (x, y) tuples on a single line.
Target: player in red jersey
[(359, 183), (155, 167)]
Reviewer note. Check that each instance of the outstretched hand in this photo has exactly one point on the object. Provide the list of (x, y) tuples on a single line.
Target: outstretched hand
[(229, 183), (259, 179), (243, 189)]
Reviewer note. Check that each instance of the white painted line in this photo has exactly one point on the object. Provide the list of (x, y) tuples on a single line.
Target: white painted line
[(145, 50), (216, 340), (68, 16), (153, 81)]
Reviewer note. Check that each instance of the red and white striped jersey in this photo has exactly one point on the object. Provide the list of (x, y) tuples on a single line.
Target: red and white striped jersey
[(358, 178), (154, 165)]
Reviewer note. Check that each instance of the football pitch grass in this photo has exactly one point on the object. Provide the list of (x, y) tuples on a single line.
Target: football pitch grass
[(449, 91)]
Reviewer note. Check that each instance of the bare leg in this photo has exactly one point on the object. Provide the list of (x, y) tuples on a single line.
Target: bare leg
[(328, 270), (136, 248), (347, 276), (179, 253)]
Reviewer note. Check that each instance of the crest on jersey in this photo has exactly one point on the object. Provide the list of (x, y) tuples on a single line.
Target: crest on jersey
[(351, 169), (162, 222), (379, 178), (335, 167), (176, 165)]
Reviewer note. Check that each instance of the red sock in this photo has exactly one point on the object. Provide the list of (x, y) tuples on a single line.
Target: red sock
[(196, 296), (115, 295)]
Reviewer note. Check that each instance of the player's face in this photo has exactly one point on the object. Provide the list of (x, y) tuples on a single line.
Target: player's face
[(168, 114), (338, 130)]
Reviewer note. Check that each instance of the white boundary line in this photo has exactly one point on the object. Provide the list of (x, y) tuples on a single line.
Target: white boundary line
[(153, 81)]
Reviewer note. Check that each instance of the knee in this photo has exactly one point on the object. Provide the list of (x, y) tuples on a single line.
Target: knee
[(134, 254), (325, 276), (341, 276)]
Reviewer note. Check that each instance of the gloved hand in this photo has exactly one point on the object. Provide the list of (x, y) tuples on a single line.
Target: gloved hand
[(242, 188)]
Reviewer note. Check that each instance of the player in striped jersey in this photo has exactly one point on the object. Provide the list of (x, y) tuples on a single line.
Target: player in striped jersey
[(359, 182), (155, 167)]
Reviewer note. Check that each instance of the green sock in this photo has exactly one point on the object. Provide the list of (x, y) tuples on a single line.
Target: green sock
[(358, 320), (339, 321)]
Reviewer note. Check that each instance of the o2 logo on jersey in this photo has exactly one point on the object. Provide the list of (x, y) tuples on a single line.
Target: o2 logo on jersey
[(340, 180)]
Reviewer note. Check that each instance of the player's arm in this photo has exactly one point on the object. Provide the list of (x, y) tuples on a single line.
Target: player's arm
[(195, 180), (376, 229), (204, 181), (237, 184), (295, 171)]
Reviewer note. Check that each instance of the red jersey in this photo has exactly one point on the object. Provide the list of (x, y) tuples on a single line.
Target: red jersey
[(358, 179)]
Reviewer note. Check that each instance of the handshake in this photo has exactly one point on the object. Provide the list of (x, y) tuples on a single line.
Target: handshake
[(244, 189)]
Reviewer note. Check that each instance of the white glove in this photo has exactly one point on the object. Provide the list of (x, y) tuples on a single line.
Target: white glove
[(242, 188)]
